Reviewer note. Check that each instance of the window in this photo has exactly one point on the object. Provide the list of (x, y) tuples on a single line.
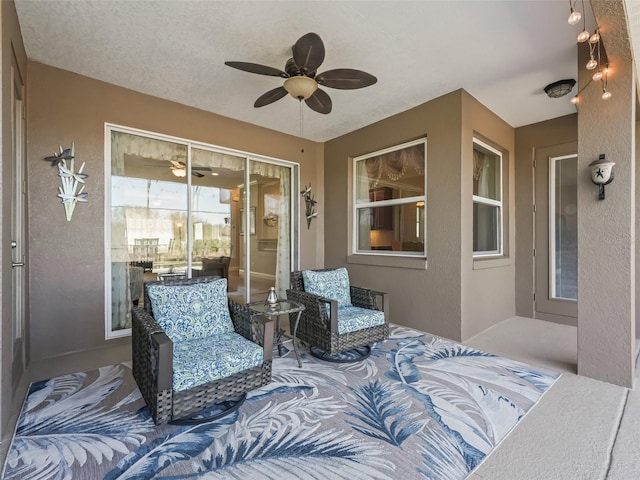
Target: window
[(389, 207), (487, 200), (563, 227)]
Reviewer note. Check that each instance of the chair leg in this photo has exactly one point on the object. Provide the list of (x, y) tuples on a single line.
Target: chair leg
[(350, 356), (229, 407)]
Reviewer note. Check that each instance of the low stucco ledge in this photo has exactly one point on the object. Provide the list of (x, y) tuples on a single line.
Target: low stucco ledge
[(418, 263), (482, 263)]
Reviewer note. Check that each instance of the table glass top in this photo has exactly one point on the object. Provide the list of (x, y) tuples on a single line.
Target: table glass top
[(283, 306)]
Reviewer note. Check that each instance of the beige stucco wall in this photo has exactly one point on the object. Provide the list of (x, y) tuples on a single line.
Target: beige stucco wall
[(427, 299), (434, 299), (13, 54), (487, 284), (606, 228), (67, 258), (528, 139)]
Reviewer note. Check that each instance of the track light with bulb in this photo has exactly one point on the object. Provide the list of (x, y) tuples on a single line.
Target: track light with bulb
[(574, 17), (583, 36), (601, 75)]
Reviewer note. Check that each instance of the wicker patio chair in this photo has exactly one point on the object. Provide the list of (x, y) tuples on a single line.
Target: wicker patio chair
[(159, 366), (327, 324)]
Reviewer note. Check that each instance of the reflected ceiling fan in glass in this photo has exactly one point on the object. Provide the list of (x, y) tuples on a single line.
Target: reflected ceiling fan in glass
[(179, 169), (302, 82)]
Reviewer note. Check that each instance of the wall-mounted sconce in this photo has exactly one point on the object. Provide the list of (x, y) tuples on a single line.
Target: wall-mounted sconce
[(601, 173)]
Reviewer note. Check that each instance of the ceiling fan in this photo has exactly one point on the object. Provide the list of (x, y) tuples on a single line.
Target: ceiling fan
[(302, 81)]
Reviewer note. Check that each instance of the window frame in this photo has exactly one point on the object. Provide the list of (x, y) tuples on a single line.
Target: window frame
[(480, 200), (356, 206)]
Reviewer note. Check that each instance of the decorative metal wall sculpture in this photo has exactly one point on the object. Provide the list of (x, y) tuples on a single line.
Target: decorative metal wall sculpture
[(70, 192), (310, 203)]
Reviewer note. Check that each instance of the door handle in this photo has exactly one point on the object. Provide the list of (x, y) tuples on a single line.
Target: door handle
[(14, 244)]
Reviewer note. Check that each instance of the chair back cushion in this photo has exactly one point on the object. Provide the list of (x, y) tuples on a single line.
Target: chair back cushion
[(188, 312), (331, 284)]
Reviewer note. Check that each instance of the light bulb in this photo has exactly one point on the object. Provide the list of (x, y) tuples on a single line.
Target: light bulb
[(574, 18), (575, 100), (597, 76), (583, 36), (595, 38), (591, 64), (606, 95)]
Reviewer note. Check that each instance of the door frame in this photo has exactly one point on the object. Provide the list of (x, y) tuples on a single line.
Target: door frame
[(18, 226), (559, 310)]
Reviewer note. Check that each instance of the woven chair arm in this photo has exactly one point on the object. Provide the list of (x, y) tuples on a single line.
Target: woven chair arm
[(315, 309), (152, 350), (252, 327), (367, 298), (241, 318)]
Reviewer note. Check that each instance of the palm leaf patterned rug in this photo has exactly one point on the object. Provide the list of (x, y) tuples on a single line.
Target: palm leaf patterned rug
[(420, 407)]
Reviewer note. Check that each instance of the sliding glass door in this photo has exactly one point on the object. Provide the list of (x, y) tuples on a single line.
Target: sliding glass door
[(178, 209), (267, 250)]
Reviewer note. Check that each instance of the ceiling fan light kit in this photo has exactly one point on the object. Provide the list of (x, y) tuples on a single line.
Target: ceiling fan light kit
[(300, 87), (302, 81)]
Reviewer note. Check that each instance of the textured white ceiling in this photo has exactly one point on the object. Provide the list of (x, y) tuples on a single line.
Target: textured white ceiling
[(502, 52)]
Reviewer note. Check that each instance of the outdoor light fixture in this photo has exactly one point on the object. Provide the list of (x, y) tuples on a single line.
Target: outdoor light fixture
[(179, 172), (583, 36), (560, 88), (574, 17), (601, 173), (594, 54)]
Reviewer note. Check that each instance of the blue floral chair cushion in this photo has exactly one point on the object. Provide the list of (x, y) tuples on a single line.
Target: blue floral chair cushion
[(351, 319), (194, 362), (188, 312), (331, 284)]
